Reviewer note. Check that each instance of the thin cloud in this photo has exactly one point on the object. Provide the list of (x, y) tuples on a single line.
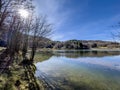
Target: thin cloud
[(73, 19), (58, 37), (52, 9), (101, 29)]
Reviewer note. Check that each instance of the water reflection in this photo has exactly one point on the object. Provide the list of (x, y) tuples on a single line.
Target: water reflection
[(85, 53), (86, 70)]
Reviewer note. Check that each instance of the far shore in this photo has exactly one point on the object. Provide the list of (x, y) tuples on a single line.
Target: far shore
[(92, 49)]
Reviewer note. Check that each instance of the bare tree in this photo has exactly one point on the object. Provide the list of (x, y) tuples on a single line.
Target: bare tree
[(116, 34), (40, 29), (28, 26), (13, 25), (4, 13), (20, 30)]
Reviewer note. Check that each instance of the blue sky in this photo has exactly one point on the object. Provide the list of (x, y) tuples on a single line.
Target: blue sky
[(81, 19)]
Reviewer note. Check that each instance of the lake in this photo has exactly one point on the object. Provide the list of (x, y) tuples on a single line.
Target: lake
[(81, 70)]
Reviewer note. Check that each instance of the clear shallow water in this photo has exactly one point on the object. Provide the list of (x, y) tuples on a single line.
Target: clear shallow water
[(82, 70)]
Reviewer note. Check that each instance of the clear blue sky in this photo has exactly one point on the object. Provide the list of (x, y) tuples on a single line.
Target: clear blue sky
[(81, 19)]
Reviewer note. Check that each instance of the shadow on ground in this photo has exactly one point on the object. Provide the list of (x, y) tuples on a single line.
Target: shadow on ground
[(29, 71)]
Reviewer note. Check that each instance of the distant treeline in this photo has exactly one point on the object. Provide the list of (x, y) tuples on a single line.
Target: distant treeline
[(77, 44), (73, 44)]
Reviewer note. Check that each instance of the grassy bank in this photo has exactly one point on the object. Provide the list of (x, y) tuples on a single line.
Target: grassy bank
[(20, 76)]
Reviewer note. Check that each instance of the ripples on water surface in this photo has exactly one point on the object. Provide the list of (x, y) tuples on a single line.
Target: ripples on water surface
[(82, 70)]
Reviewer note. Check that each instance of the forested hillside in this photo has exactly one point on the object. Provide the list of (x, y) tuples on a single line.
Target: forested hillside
[(72, 44), (77, 44)]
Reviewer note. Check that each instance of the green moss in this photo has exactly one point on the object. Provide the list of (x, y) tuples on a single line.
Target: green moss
[(41, 56), (17, 73)]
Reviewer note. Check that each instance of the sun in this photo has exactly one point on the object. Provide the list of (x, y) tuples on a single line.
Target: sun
[(23, 13)]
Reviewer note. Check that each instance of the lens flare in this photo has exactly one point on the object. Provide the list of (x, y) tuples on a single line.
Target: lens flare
[(23, 13)]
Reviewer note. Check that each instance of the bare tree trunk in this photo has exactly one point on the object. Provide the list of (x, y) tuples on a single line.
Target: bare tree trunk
[(41, 29)]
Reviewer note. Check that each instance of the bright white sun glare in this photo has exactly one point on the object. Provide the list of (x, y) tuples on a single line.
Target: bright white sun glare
[(23, 13)]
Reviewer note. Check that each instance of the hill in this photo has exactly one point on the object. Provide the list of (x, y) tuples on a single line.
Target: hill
[(71, 44), (78, 44)]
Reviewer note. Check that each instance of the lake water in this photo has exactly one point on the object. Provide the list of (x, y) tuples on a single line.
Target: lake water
[(81, 70)]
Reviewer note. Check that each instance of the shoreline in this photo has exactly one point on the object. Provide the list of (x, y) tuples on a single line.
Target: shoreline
[(92, 49)]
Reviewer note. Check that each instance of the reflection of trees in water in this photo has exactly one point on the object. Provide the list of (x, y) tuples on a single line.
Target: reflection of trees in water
[(77, 54)]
